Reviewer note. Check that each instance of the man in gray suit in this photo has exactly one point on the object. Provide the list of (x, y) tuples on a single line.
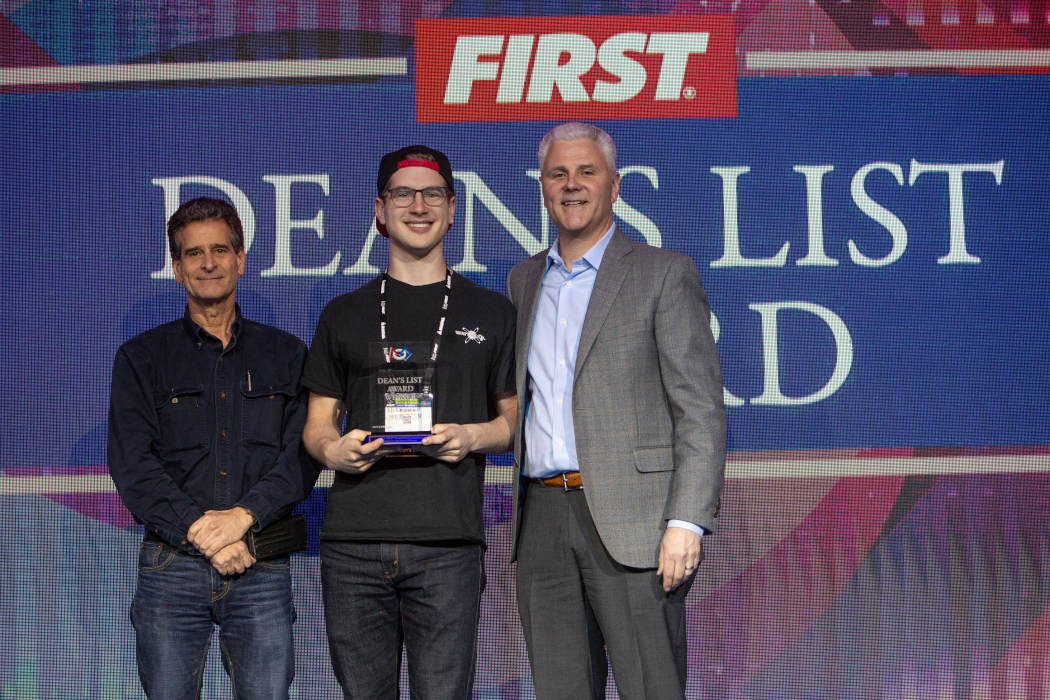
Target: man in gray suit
[(621, 447)]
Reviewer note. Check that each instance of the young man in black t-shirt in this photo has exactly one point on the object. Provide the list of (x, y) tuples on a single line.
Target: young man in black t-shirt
[(418, 349)]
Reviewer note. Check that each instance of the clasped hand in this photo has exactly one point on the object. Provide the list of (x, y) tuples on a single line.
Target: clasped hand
[(218, 535)]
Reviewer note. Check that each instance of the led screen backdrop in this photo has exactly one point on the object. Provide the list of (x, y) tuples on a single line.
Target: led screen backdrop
[(866, 196)]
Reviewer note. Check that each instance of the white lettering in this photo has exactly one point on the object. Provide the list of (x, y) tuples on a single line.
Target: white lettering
[(282, 249), (676, 48), (545, 219), (630, 72), (731, 254), (632, 216), (515, 68), (548, 71), (815, 214), (172, 187), (878, 213), (362, 266), (466, 68), (730, 400), (475, 188), (771, 393), (957, 252)]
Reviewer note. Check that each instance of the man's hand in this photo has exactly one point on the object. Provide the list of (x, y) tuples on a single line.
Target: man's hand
[(219, 528), (350, 454), (451, 442), (681, 551), (233, 559)]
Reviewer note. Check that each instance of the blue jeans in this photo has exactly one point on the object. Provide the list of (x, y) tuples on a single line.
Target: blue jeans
[(178, 600), (378, 596)]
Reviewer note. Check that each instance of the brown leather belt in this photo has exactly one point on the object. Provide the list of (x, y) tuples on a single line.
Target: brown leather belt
[(565, 480)]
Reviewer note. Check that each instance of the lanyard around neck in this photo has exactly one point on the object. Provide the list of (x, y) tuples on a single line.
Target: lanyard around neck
[(428, 376)]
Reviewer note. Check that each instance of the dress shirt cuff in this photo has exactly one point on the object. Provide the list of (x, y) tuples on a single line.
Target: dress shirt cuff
[(258, 508), (177, 537), (686, 526)]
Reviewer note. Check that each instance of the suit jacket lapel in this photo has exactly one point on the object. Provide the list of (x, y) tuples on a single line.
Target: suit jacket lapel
[(611, 274), (529, 297)]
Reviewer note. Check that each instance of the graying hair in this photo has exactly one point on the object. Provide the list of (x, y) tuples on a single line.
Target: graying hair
[(573, 131)]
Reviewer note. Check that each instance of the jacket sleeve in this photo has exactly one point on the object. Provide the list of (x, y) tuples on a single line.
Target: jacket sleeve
[(146, 489), (692, 379), (294, 473)]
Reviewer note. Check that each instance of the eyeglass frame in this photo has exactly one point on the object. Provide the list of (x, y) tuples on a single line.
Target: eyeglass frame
[(446, 195)]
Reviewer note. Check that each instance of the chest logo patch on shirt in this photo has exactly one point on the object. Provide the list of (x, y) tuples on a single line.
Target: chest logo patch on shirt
[(471, 335), (397, 354)]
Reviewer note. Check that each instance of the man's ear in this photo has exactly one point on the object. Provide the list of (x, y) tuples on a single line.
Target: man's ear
[(176, 266), (380, 213)]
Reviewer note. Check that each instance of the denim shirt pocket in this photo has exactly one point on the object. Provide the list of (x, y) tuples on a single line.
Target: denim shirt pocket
[(262, 412), (180, 412)]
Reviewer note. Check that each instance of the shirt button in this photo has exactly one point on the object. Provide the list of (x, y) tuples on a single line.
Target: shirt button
[(561, 362), (224, 433), (563, 322), (223, 473), (221, 359), (175, 400), (561, 442), (559, 402), (184, 541), (568, 284), (222, 394)]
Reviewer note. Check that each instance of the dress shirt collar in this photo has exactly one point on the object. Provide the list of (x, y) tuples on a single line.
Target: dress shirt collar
[(199, 333), (592, 257)]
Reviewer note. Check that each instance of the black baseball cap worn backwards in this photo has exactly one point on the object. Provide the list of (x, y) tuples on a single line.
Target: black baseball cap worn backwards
[(392, 162)]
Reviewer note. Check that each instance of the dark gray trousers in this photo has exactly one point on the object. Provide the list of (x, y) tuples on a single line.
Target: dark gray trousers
[(576, 603)]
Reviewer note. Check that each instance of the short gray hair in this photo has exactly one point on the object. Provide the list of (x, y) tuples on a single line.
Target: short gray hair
[(574, 131)]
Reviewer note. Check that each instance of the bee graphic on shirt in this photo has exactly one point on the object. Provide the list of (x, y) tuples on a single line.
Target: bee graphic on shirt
[(471, 335)]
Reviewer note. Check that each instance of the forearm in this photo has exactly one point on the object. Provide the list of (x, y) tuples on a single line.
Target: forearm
[(160, 506), (144, 486), (290, 479), (692, 382), (318, 435), (493, 437), (282, 488), (497, 435)]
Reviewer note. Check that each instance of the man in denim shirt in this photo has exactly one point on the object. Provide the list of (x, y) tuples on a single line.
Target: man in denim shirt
[(205, 430)]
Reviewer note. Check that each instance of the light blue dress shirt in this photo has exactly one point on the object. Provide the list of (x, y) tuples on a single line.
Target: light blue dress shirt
[(550, 437)]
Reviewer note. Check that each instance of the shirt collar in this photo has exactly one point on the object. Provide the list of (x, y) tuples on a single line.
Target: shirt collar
[(592, 257), (199, 333)]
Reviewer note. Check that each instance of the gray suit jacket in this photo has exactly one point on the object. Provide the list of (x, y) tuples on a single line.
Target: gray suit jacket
[(647, 396)]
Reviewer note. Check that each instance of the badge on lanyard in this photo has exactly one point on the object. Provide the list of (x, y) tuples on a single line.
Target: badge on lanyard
[(406, 404), (402, 391)]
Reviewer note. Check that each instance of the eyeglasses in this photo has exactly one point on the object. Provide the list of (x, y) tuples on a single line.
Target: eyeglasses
[(404, 196)]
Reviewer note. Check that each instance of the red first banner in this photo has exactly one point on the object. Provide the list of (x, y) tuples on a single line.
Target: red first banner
[(560, 68)]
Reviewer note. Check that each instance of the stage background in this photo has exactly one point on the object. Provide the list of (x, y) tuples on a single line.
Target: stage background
[(871, 230)]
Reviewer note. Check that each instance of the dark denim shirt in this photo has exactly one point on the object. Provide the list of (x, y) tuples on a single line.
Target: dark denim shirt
[(194, 426)]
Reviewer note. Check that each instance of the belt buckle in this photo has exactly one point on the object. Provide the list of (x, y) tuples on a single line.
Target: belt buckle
[(565, 483)]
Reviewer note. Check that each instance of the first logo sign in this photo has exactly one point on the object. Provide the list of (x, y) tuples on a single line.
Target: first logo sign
[(559, 68)]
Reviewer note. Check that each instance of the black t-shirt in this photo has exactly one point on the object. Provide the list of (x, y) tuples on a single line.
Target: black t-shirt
[(413, 499)]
